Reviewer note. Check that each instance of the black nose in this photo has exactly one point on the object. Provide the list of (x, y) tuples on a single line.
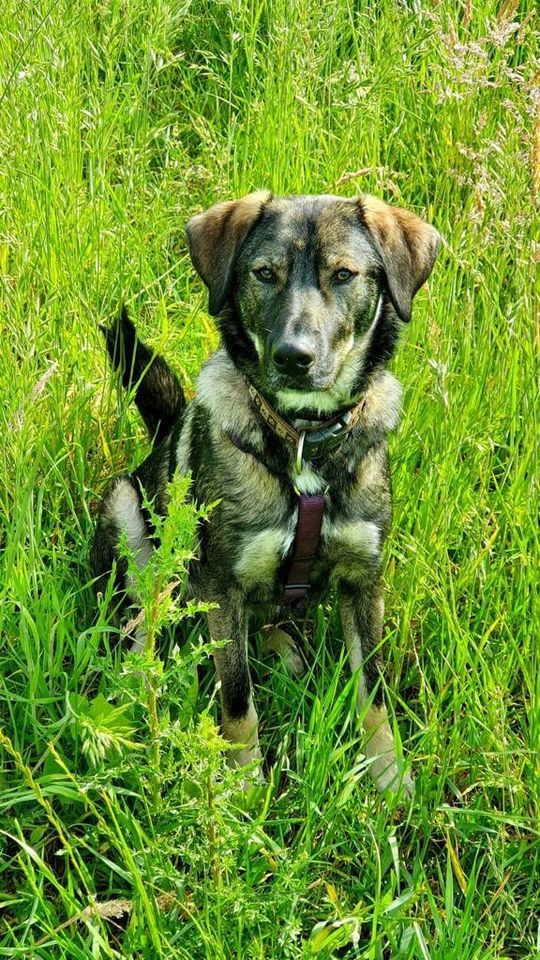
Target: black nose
[(293, 360)]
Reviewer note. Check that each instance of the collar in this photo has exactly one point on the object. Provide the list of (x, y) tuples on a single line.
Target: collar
[(311, 442)]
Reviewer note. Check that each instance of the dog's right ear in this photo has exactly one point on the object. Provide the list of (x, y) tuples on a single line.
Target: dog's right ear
[(215, 237)]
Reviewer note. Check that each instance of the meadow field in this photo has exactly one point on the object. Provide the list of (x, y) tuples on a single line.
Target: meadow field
[(122, 832)]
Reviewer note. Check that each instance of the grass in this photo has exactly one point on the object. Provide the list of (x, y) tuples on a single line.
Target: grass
[(118, 120)]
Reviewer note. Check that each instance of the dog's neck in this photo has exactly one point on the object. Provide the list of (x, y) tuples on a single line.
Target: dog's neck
[(309, 410), (312, 440), (312, 412)]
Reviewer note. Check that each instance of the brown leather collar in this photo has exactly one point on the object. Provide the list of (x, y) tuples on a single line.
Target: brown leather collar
[(309, 443)]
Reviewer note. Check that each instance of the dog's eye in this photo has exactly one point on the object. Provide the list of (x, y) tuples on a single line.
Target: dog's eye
[(343, 275), (264, 273)]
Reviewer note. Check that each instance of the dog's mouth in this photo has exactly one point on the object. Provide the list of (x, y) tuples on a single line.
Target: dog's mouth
[(323, 379), (316, 395)]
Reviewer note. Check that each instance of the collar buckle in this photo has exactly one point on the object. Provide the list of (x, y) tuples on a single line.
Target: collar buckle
[(319, 441)]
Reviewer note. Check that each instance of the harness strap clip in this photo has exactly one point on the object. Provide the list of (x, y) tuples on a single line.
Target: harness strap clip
[(299, 461)]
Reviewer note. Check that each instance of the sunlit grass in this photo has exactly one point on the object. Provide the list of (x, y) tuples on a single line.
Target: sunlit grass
[(118, 120)]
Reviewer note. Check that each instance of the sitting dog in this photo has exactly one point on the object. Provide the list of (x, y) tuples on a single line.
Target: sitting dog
[(287, 432)]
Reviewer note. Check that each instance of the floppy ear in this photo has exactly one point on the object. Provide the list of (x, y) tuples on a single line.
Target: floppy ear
[(215, 237), (407, 246)]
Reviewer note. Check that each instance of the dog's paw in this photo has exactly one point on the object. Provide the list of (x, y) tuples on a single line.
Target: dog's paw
[(385, 766), (294, 660), (407, 785), (390, 777), (249, 759), (278, 641)]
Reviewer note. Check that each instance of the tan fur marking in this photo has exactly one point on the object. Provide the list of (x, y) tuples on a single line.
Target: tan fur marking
[(184, 443), (308, 480), (124, 506), (362, 537), (379, 744), (224, 393), (383, 402), (381, 749), (262, 554), (244, 732)]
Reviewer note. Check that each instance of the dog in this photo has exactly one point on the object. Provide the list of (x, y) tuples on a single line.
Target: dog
[(287, 435)]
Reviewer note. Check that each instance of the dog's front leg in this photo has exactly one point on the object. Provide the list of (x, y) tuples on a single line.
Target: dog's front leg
[(361, 609), (238, 715)]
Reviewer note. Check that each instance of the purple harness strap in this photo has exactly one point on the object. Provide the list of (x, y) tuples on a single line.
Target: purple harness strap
[(304, 552)]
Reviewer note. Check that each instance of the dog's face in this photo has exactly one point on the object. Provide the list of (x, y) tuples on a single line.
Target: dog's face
[(307, 285), (308, 288)]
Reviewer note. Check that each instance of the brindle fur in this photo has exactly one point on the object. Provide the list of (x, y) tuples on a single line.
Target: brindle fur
[(349, 329)]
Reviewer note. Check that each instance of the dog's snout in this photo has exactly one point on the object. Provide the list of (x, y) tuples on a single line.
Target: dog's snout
[(292, 359)]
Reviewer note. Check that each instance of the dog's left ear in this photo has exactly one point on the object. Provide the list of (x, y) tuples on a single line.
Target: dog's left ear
[(407, 246), (215, 237)]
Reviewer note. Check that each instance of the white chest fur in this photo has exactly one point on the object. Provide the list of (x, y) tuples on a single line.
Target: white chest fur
[(343, 546), (262, 553), (358, 537), (361, 538), (307, 481)]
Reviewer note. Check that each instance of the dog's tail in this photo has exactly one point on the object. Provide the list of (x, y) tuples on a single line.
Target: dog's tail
[(158, 394)]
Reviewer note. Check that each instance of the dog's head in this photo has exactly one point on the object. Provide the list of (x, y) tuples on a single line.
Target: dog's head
[(310, 291)]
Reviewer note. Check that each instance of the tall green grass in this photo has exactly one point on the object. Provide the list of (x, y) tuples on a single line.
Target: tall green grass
[(118, 120)]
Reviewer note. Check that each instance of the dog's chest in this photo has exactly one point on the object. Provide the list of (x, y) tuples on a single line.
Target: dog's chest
[(263, 552), (344, 544)]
